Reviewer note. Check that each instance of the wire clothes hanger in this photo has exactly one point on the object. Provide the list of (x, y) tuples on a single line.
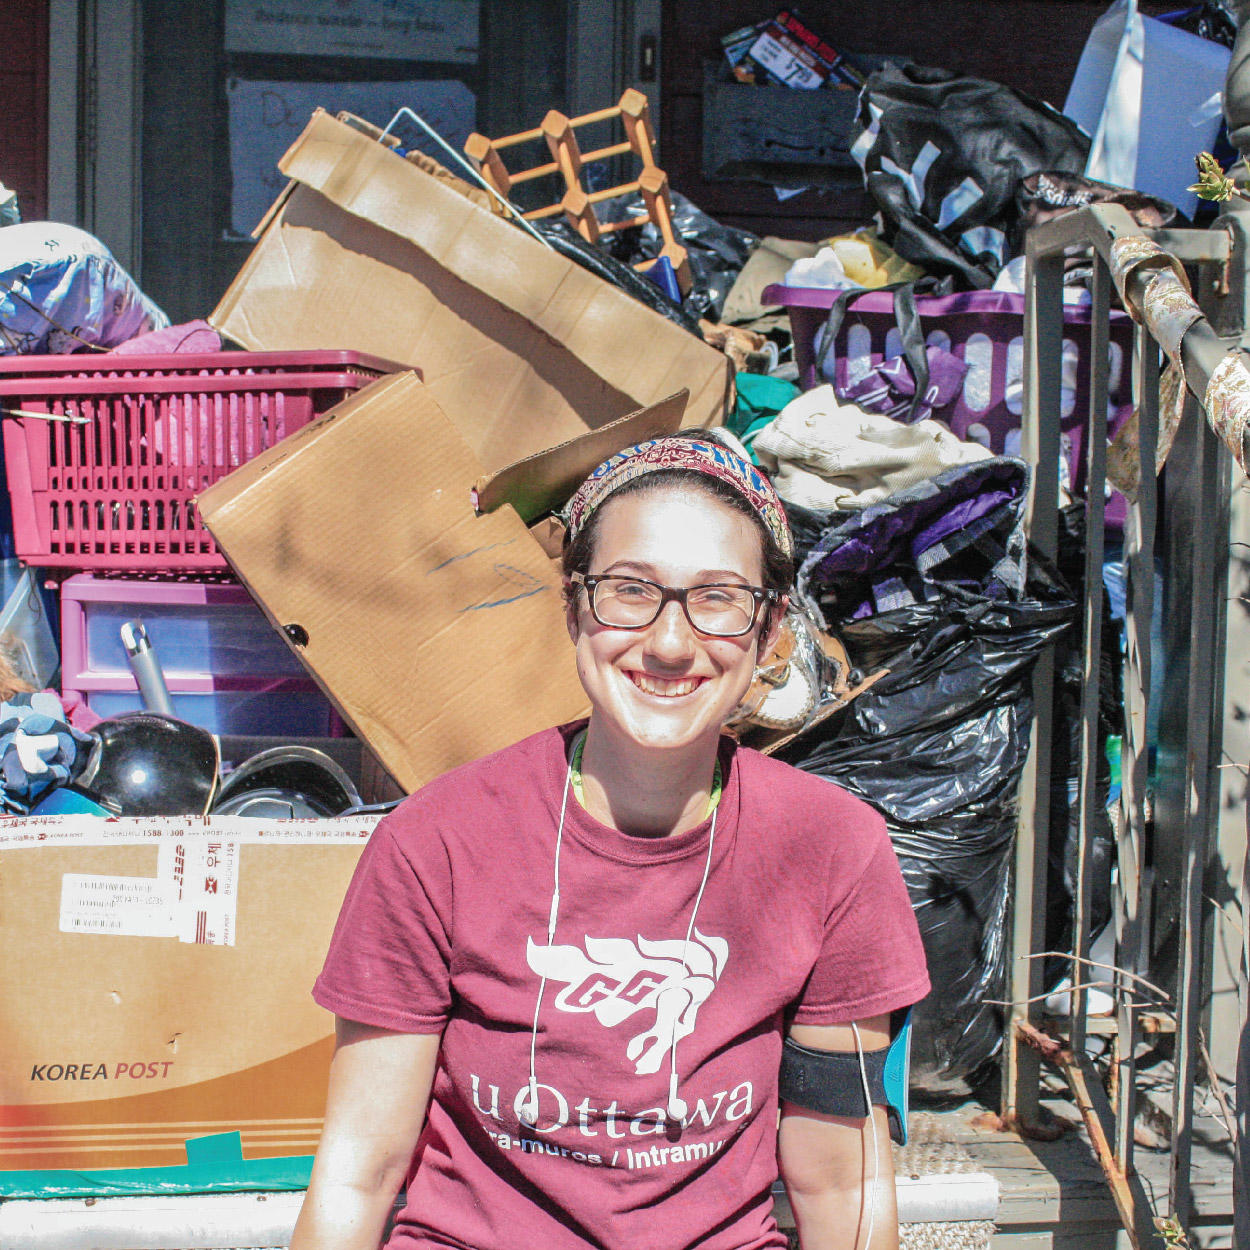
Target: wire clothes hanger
[(464, 164)]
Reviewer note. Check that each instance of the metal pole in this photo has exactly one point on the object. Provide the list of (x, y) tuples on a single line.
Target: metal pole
[(1132, 943), (1237, 115), (1090, 739), (1043, 349)]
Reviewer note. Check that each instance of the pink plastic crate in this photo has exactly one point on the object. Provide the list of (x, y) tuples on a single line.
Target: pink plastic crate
[(110, 484), (226, 666), (194, 364)]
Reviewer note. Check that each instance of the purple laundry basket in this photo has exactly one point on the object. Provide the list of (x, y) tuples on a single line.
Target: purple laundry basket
[(985, 329)]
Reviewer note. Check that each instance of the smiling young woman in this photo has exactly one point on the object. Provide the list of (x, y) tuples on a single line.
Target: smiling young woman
[(563, 975)]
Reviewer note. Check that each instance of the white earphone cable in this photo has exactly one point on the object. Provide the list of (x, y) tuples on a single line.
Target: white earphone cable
[(529, 1108), (872, 1120), (676, 1106)]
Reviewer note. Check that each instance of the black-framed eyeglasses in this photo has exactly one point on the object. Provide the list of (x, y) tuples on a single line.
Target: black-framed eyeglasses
[(720, 609)]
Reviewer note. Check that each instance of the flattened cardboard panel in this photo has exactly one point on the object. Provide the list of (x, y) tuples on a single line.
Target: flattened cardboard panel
[(294, 294), (510, 389), (543, 482), (365, 179), (439, 634)]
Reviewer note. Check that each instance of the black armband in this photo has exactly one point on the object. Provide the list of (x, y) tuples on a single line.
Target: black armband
[(831, 1082)]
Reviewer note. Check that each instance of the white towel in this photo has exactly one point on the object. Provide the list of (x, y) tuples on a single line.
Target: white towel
[(825, 454)]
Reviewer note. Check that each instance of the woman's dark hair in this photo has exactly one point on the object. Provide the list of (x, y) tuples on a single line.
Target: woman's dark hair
[(778, 568)]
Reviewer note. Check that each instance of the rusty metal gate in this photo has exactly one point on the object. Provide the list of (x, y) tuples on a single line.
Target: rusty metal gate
[(1168, 805)]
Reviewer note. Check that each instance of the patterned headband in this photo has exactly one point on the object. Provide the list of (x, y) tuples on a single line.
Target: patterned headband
[(690, 455)]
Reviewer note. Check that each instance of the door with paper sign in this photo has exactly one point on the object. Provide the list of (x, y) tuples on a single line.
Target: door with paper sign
[(227, 86)]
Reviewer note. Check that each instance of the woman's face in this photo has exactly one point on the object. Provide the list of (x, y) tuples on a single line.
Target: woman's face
[(668, 686)]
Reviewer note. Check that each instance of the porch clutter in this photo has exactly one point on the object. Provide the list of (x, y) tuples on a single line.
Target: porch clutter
[(336, 506)]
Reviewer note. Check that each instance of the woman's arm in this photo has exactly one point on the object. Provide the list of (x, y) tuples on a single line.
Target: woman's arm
[(379, 1089), (827, 1161)]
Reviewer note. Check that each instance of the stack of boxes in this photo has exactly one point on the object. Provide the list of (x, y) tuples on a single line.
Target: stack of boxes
[(104, 457), (145, 958), (157, 970)]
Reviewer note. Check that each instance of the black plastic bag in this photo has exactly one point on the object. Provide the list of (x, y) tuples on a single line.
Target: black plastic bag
[(717, 253), (1213, 19), (807, 525), (942, 156), (933, 584), (569, 243)]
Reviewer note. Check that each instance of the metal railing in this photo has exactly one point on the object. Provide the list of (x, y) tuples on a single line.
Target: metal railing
[(1169, 797)]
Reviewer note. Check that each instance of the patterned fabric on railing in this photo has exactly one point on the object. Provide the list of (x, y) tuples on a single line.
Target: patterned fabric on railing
[(1168, 310), (1227, 402), (1123, 458)]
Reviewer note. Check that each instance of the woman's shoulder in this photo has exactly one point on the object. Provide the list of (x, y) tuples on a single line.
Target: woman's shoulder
[(464, 796), (815, 818)]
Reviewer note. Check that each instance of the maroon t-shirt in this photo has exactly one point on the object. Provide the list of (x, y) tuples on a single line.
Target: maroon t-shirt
[(804, 918)]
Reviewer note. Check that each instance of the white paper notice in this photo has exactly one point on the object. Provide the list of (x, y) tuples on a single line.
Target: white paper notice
[(124, 906), (193, 897), (407, 30)]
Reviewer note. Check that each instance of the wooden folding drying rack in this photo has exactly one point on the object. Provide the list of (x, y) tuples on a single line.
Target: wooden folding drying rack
[(568, 160)]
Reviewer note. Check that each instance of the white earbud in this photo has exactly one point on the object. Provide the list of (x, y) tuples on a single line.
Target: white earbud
[(527, 1109)]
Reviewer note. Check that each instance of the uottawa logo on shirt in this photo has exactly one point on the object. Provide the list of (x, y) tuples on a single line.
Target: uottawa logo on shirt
[(614, 978)]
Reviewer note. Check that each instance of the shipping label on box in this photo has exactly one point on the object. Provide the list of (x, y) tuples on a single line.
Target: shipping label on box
[(156, 984)]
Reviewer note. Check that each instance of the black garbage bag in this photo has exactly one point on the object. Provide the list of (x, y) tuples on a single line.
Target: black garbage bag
[(717, 253), (808, 526), (604, 265), (942, 156), (1213, 19), (933, 583)]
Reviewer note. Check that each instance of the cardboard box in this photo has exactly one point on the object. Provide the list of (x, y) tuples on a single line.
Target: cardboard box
[(156, 985), (519, 346), (438, 633)]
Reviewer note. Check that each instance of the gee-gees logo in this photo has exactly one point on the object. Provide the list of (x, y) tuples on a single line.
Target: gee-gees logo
[(614, 977)]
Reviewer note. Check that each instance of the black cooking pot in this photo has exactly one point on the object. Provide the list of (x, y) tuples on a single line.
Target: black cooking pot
[(285, 782), (146, 764)]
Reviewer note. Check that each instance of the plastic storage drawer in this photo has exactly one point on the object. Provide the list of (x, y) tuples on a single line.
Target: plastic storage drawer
[(226, 667)]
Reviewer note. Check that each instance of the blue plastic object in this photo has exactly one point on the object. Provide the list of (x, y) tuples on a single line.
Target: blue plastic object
[(61, 290), (663, 275), (69, 801), (896, 1077)]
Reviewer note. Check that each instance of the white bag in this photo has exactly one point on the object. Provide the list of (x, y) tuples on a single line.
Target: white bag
[(1150, 97), (61, 290)]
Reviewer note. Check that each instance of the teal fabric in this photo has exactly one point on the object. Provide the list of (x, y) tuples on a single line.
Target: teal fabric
[(760, 399)]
